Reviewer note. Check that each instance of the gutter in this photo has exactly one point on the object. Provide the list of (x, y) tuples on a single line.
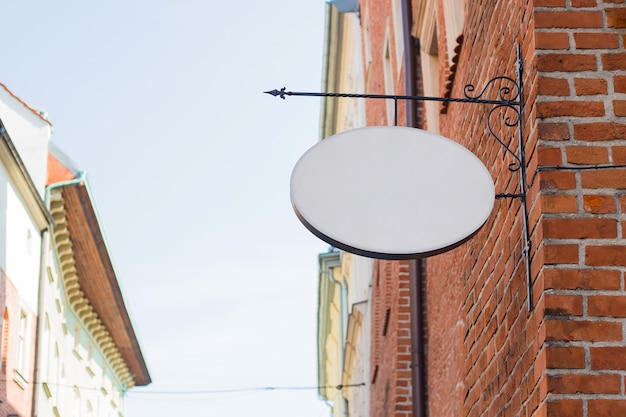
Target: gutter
[(417, 270)]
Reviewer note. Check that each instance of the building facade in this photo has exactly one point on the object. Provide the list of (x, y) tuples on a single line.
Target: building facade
[(488, 336), (344, 309), (68, 347), (24, 136), (89, 356)]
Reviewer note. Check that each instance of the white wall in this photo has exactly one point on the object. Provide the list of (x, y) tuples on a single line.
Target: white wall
[(72, 367), (20, 242), (30, 135)]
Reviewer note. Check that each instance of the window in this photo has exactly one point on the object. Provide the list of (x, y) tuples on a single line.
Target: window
[(5, 338), (398, 30), (89, 408), (22, 344), (427, 30), (75, 402), (389, 89), (368, 44), (454, 11)]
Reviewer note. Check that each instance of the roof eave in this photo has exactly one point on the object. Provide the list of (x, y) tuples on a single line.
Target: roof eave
[(101, 289)]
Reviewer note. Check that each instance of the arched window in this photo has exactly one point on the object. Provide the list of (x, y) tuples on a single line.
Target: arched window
[(5, 339), (429, 51)]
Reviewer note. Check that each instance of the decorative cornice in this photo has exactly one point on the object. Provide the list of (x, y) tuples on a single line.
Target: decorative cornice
[(451, 74), (76, 299)]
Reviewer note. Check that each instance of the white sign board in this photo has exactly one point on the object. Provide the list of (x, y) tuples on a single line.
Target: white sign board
[(391, 192)]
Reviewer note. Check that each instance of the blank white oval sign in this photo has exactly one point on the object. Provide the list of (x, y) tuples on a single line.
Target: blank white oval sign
[(391, 192)]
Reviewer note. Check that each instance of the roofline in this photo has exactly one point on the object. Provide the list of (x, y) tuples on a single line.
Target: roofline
[(23, 181), (35, 111)]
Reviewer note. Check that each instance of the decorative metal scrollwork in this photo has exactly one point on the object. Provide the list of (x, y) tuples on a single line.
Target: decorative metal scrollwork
[(508, 94), (512, 122), (505, 92)]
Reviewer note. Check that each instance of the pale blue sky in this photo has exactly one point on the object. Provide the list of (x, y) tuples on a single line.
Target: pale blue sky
[(161, 103)]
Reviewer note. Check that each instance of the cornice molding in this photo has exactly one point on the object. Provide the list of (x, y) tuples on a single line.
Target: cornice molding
[(75, 297)]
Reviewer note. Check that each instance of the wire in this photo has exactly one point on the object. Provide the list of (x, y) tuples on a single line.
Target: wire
[(211, 391), (223, 391)]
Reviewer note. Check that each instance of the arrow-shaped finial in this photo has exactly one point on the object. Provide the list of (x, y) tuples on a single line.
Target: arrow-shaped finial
[(277, 93)]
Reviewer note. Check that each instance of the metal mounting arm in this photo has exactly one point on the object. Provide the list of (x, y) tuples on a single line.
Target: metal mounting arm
[(508, 103)]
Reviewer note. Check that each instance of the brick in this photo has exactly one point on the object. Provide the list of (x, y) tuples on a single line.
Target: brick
[(599, 204), (580, 228), (570, 357), (584, 3), (619, 107), (582, 279), (567, 19), (552, 86), (604, 178), (549, 156), (559, 203), (614, 61), (570, 108), (606, 408), (619, 83), (596, 40), (607, 306), (605, 358), (590, 86), (560, 254), (551, 40), (585, 384), (553, 131), (605, 255), (599, 131), (565, 408), (587, 154), (566, 62), (557, 180), (563, 305), (619, 154), (590, 331), (616, 17)]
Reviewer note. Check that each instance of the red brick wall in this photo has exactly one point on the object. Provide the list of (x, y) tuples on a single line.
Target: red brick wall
[(487, 354), (390, 393), (379, 14), (482, 340), (581, 64), (15, 399), (390, 389)]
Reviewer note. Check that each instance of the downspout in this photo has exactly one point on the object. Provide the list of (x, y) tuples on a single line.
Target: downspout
[(342, 327), (410, 65), (42, 282), (416, 267), (418, 363)]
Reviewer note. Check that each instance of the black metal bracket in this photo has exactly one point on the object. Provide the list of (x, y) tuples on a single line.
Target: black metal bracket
[(508, 103)]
